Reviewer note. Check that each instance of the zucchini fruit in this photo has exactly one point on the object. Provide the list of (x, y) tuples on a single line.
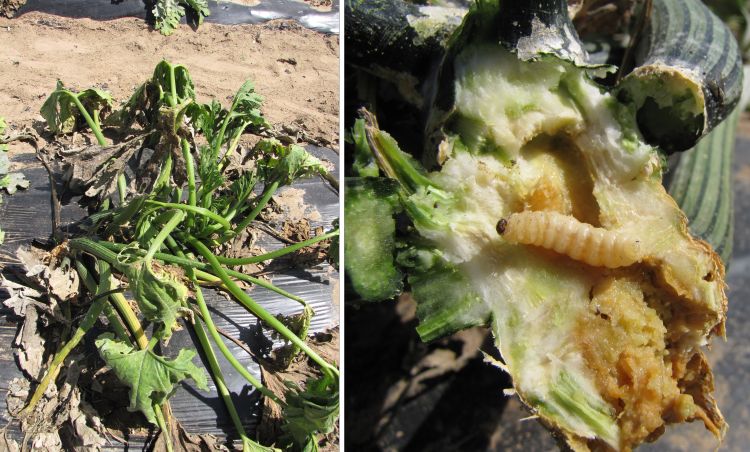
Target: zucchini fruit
[(600, 305)]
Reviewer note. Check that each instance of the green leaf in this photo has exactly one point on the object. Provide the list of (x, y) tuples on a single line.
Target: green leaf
[(60, 110), (446, 300), (159, 293), (206, 118), (183, 83), (13, 181), (370, 238), (309, 412), (167, 15), (286, 164), (152, 378), (200, 7), (210, 175), (246, 105)]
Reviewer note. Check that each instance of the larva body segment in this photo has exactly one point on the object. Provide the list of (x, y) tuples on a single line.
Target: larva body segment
[(566, 235)]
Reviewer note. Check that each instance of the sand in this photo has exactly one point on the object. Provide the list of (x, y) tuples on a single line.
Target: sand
[(295, 69)]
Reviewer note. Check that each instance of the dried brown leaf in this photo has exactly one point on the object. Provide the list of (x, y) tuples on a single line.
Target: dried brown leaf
[(61, 420), (8, 444), (188, 442), (59, 278), (29, 345), (92, 170)]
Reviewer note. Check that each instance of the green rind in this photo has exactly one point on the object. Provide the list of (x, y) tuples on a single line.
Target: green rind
[(702, 186), (369, 238), (394, 35), (685, 37), (446, 302)]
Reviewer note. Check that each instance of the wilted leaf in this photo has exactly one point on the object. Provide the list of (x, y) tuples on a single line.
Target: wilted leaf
[(93, 170), (152, 378), (8, 444), (20, 296), (29, 345), (188, 442), (61, 420), (60, 280), (159, 294), (88, 430), (61, 113)]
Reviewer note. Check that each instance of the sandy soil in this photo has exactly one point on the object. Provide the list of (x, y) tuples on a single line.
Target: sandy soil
[(295, 69)]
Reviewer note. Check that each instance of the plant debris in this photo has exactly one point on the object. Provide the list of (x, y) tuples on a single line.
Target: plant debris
[(165, 203)]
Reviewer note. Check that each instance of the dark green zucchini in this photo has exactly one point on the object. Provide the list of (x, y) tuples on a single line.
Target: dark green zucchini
[(398, 41), (687, 76), (540, 27), (702, 186)]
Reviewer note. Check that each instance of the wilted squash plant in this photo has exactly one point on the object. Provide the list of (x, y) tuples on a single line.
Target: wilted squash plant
[(537, 207), (168, 198)]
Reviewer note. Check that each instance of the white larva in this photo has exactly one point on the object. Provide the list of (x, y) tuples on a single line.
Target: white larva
[(566, 235)]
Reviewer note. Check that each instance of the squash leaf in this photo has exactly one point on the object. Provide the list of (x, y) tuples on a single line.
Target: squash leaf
[(60, 110), (286, 164), (152, 378), (159, 293), (309, 412)]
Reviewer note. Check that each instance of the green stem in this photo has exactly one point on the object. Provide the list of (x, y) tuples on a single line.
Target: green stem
[(163, 179), (192, 199), (242, 277), (122, 189), (89, 120), (162, 423), (108, 250), (220, 135), (234, 141), (267, 194), (220, 343), (54, 369), (225, 351), (277, 253), (172, 86), (96, 129), (221, 386), (112, 315), (167, 229), (252, 306), (198, 210)]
